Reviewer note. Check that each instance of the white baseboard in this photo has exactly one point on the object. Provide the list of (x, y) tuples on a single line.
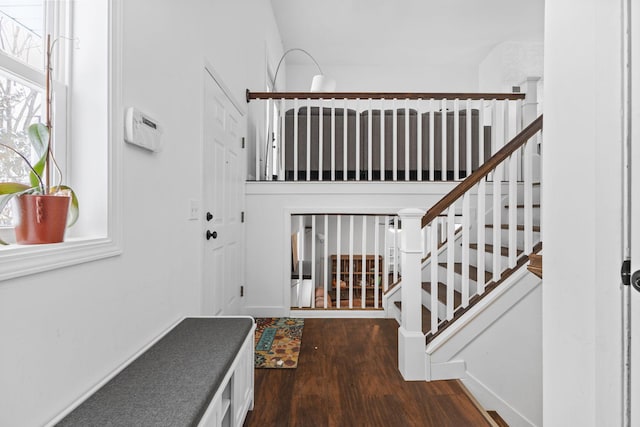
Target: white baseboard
[(454, 369), (339, 314), (491, 401)]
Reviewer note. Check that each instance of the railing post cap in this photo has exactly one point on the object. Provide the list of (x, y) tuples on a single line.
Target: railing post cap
[(411, 213)]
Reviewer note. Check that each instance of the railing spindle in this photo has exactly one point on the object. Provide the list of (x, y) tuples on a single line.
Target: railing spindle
[(376, 268), (383, 141), (333, 139), (308, 163), (513, 210), (481, 233), (357, 140), (419, 140), (465, 250), (443, 125), (370, 142), (351, 265), (300, 257), (338, 260), (345, 143), (320, 142), (387, 250), (432, 140), (528, 196), (364, 271), (407, 140), (468, 140), (395, 141), (451, 254), (456, 140), (282, 143), (296, 139), (326, 261), (434, 278), (313, 260)]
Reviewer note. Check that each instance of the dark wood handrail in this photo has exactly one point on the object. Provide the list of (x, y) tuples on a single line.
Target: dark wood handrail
[(484, 170), (382, 95)]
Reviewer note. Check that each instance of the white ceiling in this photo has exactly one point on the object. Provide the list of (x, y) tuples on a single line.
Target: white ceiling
[(405, 32)]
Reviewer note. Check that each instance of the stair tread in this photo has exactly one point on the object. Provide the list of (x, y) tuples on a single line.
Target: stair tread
[(426, 317), (536, 228), (473, 271), (498, 419), (442, 293), (504, 251)]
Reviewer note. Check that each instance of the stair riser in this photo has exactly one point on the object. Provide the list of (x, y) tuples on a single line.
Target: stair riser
[(520, 215), (504, 237), (488, 260), (457, 280), (426, 301)]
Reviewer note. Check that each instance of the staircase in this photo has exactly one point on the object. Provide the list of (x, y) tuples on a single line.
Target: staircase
[(477, 258)]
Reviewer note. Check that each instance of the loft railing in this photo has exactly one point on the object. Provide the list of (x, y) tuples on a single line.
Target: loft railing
[(493, 225), (378, 136), (342, 261)]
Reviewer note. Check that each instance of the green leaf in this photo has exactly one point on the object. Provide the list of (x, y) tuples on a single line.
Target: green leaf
[(8, 190), (39, 137), (74, 208), (12, 187)]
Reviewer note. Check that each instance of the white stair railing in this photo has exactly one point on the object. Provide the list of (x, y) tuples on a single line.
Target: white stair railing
[(342, 261), (490, 227), (381, 136)]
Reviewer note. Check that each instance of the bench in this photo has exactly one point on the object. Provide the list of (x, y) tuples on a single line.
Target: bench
[(200, 373)]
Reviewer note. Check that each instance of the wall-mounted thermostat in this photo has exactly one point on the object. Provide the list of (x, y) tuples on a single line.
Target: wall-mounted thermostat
[(142, 130)]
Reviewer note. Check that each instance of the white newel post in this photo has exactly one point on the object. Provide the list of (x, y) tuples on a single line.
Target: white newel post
[(411, 339)]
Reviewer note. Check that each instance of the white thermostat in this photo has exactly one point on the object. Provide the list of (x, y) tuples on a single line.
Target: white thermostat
[(142, 130)]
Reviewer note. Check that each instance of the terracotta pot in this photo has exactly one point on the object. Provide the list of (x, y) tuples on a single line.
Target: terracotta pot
[(41, 218)]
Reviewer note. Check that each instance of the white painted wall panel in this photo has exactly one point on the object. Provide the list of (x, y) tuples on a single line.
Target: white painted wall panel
[(64, 330)]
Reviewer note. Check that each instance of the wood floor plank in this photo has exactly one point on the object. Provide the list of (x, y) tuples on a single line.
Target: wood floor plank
[(348, 375)]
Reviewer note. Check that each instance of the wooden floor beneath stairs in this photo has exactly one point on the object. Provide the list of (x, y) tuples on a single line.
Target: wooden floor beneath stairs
[(348, 375)]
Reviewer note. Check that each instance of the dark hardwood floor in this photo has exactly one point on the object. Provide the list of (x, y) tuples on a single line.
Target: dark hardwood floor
[(348, 375)]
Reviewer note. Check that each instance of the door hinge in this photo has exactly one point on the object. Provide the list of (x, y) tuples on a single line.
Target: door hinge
[(242, 216), (241, 291), (625, 272), (243, 142)]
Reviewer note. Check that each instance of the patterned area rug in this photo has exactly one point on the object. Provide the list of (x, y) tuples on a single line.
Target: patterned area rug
[(278, 342)]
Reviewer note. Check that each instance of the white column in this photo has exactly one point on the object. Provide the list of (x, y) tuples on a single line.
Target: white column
[(411, 339)]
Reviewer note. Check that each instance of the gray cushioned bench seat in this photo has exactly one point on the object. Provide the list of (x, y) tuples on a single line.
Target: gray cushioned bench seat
[(170, 384)]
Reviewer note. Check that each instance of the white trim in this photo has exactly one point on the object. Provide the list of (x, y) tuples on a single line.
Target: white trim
[(16, 261), (339, 314), (212, 72), (488, 399), (21, 71)]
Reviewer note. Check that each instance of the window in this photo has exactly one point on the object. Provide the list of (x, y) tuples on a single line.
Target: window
[(87, 73), (22, 29)]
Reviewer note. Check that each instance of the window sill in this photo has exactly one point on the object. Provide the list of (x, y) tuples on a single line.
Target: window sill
[(23, 260)]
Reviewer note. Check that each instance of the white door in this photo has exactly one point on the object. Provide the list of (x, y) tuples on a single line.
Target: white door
[(223, 202)]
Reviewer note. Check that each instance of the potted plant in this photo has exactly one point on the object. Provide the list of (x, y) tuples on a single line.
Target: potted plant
[(42, 211)]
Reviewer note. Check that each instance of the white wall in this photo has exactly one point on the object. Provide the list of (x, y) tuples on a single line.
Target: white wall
[(509, 64), (269, 208), (62, 331), (582, 214), (387, 78)]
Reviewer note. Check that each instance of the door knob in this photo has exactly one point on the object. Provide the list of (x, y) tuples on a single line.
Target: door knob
[(635, 280), (209, 216), (211, 234)]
